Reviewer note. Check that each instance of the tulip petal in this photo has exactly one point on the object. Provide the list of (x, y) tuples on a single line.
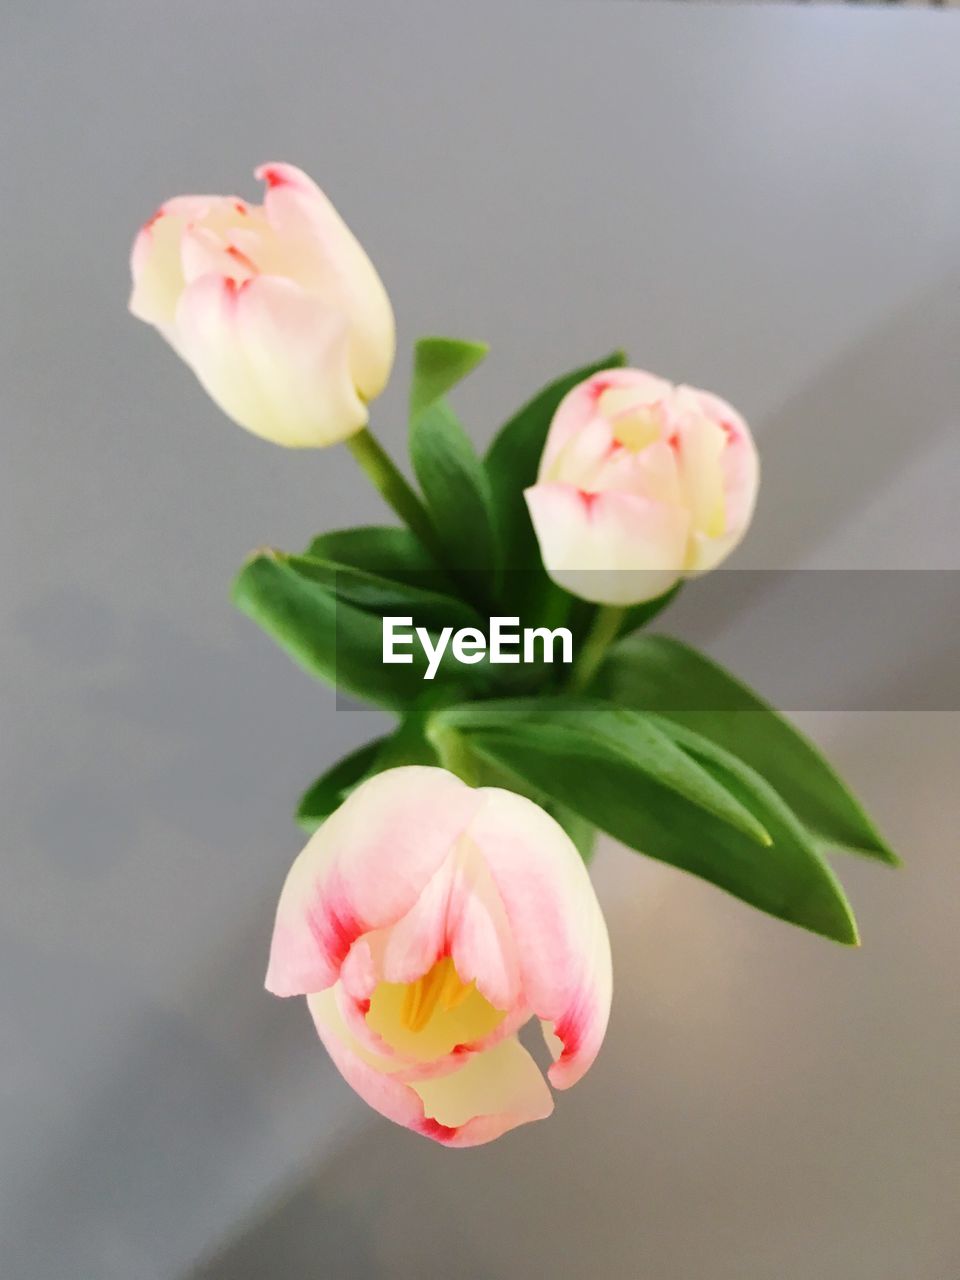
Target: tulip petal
[(156, 261), (205, 252), (272, 356), (611, 547), (581, 404), (369, 1076), (459, 914), (652, 472), (296, 208), (491, 1093), (583, 457), (703, 443), (740, 468), (363, 870), (157, 272), (556, 921)]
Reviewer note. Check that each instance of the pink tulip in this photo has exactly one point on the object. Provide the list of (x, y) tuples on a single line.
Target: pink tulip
[(275, 307), (426, 922), (641, 483)]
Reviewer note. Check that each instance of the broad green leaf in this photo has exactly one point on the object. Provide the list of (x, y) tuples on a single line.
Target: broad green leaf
[(456, 490), (339, 643), (594, 734), (380, 595), (438, 365), (787, 879), (791, 838), (511, 464), (656, 673), (332, 788), (391, 551)]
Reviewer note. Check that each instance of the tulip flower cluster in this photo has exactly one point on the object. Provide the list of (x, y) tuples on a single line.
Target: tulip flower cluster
[(443, 900)]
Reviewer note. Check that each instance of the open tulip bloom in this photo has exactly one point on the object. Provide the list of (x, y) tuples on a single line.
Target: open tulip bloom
[(443, 900), (426, 922)]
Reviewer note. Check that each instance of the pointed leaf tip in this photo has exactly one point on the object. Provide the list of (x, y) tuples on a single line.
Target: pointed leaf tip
[(438, 365)]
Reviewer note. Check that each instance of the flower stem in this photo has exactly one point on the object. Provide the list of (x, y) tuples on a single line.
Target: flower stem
[(396, 491), (454, 754), (601, 635)]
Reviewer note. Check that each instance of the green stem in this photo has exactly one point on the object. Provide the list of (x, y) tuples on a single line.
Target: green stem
[(454, 754), (556, 609), (395, 489), (601, 635)]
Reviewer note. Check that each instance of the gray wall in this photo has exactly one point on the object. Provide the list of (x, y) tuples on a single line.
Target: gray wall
[(763, 200)]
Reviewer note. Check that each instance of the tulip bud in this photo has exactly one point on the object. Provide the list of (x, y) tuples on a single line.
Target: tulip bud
[(275, 307), (641, 483), (426, 922)]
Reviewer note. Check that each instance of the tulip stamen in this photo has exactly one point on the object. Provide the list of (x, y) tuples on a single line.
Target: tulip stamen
[(636, 429), (635, 425), (440, 987)]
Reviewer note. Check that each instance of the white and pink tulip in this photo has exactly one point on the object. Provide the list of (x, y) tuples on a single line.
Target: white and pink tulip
[(276, 307), (641, 483), (426, 922)]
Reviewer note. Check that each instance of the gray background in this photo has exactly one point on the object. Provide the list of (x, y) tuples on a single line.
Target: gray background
[(761, 200)]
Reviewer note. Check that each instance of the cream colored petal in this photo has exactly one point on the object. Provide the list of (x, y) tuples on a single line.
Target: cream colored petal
[(272, 356), (581, 405), (297, 208), (739, 478), (702, 443), (611, 548), (157, 272), (156, 262), (496, 1091), (491, 1093)]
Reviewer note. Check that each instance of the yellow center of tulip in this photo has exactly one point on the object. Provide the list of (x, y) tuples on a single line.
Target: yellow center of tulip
[(429, 1017), (440, 988), (633, 425)]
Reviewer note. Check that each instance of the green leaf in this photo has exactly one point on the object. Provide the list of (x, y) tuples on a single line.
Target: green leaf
[(656, 673), (380, 595), (581, 832), (624, 797), (337, 642), (405, 746), (511, 465), (438, 365), (307, 621), (594, 734), (392, 552), (332, 788), (793, 844), (456, 490), (448, 470)]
